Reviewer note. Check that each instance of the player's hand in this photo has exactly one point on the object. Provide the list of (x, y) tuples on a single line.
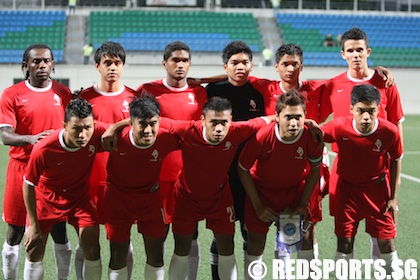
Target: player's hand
[(386, 75), (266, 214), (300, 210), (392, 207), (109, 140), (33, 238), (316, 132), (38, 137)]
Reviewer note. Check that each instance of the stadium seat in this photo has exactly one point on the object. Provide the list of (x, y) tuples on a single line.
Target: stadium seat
[(217, 28), (309, 31)]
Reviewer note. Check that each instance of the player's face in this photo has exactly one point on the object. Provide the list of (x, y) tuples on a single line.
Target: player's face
[(238, 68), (39, 66), (145, 130), (110, 68), (356, 54), (178, 65), (78, 132), (217, 125), (290, 121), (289, 67), (365, 115)]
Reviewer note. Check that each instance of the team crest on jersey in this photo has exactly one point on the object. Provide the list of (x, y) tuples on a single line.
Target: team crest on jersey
[(91, 150), (378, 145), (125, 105), (228, 146), (57, 100), (191, 97), (252, 106), (299, 153), (155, 155)]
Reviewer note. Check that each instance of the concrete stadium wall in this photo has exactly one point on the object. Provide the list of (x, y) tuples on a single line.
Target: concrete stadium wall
[(408, 80)]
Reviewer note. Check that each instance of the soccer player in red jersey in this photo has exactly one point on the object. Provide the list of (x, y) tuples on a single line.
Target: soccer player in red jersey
[(30, 110), (202, 188), (128, 199), (336, 96), (179, 101), (368, 168), (56, 188), (110, 100), (273, 167), (289, 64)]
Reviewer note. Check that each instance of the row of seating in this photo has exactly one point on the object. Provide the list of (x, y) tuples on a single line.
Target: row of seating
[(19, 29), (173, 25), (400, 36)]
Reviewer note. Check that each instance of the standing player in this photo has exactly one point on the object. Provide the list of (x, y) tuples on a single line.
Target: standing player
[(128, 199), (202, 188), (274, 171), (110, 100), (178, 101), (368, 168), (30, 110), (247, 103), (289, 64), (56, 188), (336, 96)]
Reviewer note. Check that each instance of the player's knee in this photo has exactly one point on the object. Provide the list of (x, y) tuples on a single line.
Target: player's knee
[(386, 245), (14, 234)]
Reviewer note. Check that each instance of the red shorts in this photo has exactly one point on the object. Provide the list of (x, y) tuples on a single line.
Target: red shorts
[(82, 214), (363, 202), (14, 206), (167, 191), (219, 213), (122, 210), (283, 199)]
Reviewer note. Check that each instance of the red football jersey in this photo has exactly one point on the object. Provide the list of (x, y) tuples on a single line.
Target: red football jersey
[(61, 174), (108, 107), (179, 104), (363, 158), (31, 110), (271, 90), (205, 166), (135, 169), (337, 94), (275, 163)]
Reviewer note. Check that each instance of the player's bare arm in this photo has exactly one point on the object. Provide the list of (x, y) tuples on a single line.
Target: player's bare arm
[(109, 137), (386, 75), (310, 184), (11, 138), (33, 234), (207, 80), (264, 213), (392, 203)]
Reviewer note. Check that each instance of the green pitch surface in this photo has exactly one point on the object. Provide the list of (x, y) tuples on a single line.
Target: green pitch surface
[(407, 241)]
